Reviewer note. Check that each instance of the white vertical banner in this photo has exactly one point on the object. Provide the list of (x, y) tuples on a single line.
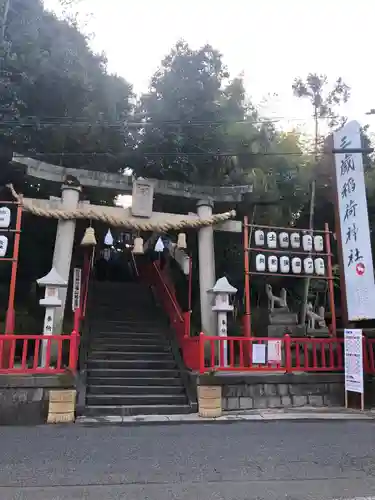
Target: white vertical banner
[(355, 232), (353, 357), (76, 296)]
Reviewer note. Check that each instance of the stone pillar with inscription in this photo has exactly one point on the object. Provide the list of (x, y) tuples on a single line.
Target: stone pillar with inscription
[(62, 255), (207, 279)]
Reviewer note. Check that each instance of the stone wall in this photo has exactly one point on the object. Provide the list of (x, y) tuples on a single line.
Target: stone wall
[(24, 398), (247, 392)]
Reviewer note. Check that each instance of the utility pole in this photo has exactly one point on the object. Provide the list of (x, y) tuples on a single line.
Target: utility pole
[(311, 211)]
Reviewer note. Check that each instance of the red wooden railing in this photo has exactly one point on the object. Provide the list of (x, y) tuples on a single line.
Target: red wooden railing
[(296, 354), (24, 353), (179, 320)]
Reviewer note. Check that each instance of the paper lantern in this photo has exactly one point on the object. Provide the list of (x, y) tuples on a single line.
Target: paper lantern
[(4, 217), (181, 241), (296, 265), (272, 264), (3, 245), (295, 240), (319, 267), (259, 238), (89, 239), (284, 264), (307, 242), (159, 247), (308, 265), (284, 240), (271, 239), (138, 246), (108, 240), (318, 243), (260, 263)]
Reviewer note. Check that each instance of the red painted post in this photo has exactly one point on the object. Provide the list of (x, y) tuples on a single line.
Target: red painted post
[(201, 353), (247, 325), (288, 353), (73, 352), (366, 364), (330, 279)]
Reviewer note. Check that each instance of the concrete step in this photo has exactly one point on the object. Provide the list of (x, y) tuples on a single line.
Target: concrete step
[(111, 381), (136, 389), (135, 400), (127, 336), (100, 372), (130, 356), (123, 346), (138, 364), (92, 410), (153, 328)]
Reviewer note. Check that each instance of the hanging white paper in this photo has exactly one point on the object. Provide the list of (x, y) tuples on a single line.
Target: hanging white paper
[(354, 225), (274, 351), (353, 347), (108, 240), (3, 245), (159, 247)]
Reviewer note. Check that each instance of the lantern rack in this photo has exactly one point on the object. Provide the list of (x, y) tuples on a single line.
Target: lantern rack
[(290, 251), (10, 314)]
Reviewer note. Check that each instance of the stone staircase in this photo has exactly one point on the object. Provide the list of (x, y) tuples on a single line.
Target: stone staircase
[(130, 366)]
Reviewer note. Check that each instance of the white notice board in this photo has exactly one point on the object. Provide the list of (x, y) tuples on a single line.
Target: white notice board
[(353, 352)]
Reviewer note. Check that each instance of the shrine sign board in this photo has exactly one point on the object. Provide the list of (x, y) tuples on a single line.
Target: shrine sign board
[(354, 224), (353, 355), (143, 198)]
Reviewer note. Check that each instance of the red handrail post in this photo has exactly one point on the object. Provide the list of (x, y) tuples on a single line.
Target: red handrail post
[(288, 353), (73, 352), (201, 353)]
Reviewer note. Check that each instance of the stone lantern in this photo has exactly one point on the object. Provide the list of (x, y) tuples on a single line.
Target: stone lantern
[(222, 290), (52, 283)]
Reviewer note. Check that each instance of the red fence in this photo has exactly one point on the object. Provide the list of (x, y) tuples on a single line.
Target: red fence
[(285, 354), (24, 353)]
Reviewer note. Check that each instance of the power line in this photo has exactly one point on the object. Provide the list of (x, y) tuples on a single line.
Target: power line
[(177, 153)]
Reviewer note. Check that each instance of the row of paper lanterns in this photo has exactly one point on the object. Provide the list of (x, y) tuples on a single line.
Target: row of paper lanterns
[(294, 240), (308, 265)]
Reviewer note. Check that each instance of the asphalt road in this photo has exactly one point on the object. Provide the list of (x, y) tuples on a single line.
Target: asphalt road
[(237, 461)]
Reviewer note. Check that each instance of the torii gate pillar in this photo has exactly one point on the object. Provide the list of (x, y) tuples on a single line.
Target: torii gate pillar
[(207, 279), (62, 255)]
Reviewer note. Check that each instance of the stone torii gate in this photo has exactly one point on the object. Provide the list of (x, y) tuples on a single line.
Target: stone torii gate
[(139, 217)]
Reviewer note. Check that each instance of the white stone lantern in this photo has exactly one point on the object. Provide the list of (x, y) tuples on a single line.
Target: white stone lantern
[(260, 263), (52, 283), (222, 290), (295, 240), (271, 239), (296, 265), (284, 240), (318, 243), (259, 238)]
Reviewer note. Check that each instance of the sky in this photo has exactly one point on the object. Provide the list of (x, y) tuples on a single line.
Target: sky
[(270, 42)]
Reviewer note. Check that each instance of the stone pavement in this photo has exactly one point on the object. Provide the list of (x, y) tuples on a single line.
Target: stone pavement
[(302, 413)]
